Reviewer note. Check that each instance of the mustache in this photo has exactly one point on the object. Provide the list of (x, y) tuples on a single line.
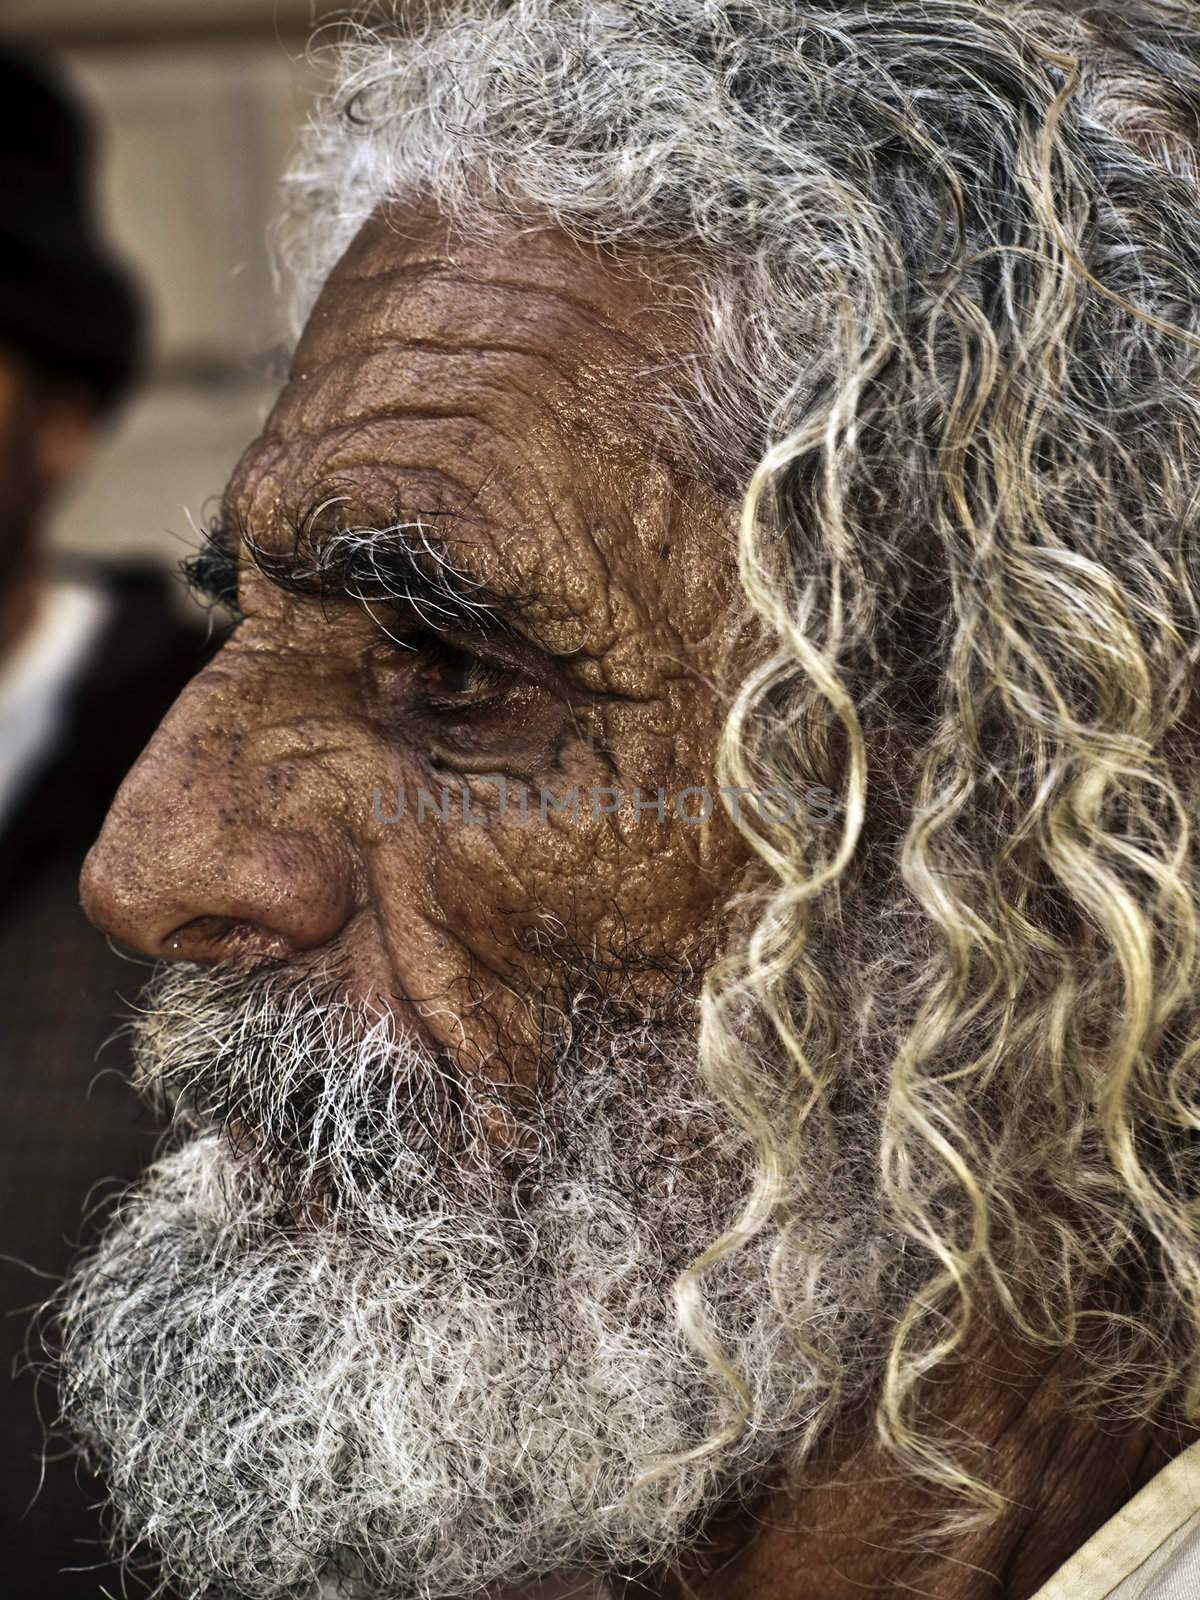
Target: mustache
[(338, 1100), (318, 1090)]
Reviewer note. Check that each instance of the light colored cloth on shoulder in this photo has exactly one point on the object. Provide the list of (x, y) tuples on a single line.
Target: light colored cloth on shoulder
[(1149, 1551)]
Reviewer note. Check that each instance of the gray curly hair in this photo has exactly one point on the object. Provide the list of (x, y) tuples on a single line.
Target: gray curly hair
[(948, 260)]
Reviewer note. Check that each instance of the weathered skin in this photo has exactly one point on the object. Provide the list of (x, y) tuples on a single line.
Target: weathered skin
[(489, 393), (500, 386)]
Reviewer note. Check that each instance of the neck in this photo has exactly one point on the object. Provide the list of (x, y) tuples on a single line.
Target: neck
[(843, 1529), (18, 600)]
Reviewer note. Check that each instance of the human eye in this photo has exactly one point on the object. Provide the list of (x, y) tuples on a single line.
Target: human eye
[(463, 697), (451, 681)]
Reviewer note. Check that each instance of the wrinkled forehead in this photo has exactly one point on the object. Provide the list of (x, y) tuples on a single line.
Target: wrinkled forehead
[(484, 383), (410, 272)]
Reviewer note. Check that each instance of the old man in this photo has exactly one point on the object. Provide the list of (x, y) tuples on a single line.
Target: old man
[(677, 903)]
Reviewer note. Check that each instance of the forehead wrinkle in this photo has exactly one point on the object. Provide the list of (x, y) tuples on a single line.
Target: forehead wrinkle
[(502, 319), (528, 527), (391, 328), (382, 469), (531, 310), (499, 437), (389, 378), (478, 422)]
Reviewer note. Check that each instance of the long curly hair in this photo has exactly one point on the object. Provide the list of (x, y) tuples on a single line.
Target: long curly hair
[(949, 301)]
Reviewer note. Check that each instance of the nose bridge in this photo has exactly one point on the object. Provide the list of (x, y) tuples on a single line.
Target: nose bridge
[(189, 786), (218, 838)]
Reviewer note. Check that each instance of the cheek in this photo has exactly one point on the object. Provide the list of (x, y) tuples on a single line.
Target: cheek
[(523, 889), (485, 912)]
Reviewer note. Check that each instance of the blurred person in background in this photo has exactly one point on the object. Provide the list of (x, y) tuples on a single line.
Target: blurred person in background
[(89, 661)]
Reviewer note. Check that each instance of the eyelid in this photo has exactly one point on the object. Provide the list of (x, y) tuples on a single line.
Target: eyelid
[(498, 647)]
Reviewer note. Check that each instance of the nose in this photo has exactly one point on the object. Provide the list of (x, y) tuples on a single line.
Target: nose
[(208, 854)]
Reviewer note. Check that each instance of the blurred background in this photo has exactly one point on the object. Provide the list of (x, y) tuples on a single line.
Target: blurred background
[(197, 104), (141, 148)]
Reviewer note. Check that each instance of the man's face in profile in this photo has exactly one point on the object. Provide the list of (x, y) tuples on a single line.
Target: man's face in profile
[(551, 606), (402, 1306)]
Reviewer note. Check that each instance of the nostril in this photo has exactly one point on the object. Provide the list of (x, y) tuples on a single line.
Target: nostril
[(196, 931), (211, 938)]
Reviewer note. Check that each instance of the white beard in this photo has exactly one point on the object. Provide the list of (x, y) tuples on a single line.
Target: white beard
[(424, 1377)]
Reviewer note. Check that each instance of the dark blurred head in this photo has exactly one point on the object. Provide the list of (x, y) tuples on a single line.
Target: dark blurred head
[(71, 320), (66, 305)]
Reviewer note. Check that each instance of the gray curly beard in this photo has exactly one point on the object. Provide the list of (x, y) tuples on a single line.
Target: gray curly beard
[(329, 1346)]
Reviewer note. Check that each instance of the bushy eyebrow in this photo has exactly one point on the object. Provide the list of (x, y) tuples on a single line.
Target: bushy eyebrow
[(403, 566)]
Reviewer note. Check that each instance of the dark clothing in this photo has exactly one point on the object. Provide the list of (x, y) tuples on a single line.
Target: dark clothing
[(71, 1130)]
